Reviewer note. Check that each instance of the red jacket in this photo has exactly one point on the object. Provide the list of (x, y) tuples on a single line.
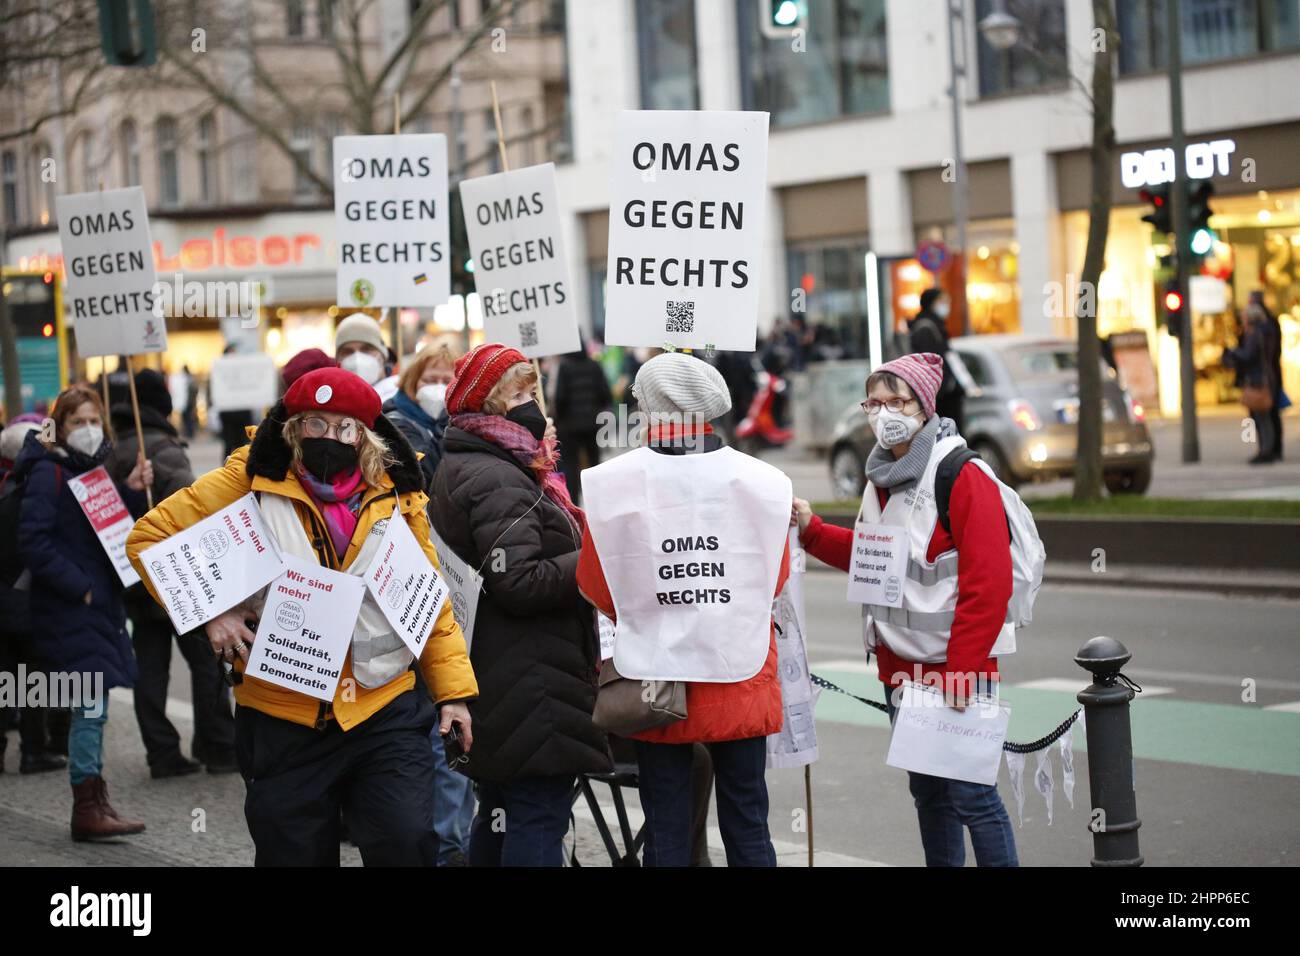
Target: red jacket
[(979, 533), (714, 712)]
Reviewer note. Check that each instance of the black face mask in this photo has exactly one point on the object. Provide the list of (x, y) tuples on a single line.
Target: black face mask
[(325, 457), (530, 416)]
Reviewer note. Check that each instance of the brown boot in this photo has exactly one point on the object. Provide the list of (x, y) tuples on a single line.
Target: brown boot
[(92, 816)]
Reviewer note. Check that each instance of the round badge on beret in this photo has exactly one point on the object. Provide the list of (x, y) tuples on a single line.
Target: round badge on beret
[(324, 394)]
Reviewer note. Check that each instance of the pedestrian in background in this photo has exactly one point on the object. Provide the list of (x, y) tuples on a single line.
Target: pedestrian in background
[(359, 348), (1257, 363), (76, 595), (928, 332), (499, 504), (234, 422), (581, 394), (308, 360), (152, 634)]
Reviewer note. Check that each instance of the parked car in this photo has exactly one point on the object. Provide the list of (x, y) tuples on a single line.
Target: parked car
[(1021, 417)]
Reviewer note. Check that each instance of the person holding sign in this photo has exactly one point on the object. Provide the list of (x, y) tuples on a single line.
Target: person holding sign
[(935, 595), (76, 591), (330, 473), (686, 549), (499, 503)]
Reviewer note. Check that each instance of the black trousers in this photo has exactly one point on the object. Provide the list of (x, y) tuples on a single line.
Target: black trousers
[(214, 724), (379, 775), (16, 649)]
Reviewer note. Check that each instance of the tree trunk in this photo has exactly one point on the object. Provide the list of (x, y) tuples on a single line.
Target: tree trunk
[(13, 397), (1087, 473)]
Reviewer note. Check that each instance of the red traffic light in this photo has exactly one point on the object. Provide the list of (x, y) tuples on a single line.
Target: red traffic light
[(47, 278), (1173, 301), (47, 330)]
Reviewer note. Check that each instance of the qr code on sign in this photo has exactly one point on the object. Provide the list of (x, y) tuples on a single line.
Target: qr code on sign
[(527, 334), (680, 317)]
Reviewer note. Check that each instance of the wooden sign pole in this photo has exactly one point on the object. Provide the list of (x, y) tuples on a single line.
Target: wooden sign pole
[(505, 167), (397, 313)]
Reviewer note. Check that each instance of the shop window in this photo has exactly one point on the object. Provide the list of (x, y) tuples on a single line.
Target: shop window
[(1211, 30), (842, 68), (665, 33), (831, 276), (1038, 58)]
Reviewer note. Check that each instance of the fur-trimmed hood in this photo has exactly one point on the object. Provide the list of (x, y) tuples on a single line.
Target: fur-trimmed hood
[(270, 455)]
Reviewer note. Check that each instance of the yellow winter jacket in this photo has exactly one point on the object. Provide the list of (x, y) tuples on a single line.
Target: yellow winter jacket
[(444, 662)]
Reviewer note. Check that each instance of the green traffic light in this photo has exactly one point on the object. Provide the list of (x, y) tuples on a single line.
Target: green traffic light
[(1202, 241)]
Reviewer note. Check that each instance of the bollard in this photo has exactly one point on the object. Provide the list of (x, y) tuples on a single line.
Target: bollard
[(1110, 754)]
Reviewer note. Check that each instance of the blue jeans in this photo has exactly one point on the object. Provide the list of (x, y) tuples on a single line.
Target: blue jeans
[(86, 741), (522, 823), (944, 807), (453, 804), (665, 785)]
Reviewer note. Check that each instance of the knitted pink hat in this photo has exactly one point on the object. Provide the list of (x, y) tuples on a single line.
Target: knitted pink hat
[(923, 372)]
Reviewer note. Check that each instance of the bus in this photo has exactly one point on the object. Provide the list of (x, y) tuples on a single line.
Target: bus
[(34, 301)]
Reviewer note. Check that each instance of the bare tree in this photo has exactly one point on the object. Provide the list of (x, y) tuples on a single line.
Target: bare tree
[(1101, 154)]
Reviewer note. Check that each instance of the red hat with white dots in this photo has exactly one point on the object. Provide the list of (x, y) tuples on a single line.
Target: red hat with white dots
[(334, 390)]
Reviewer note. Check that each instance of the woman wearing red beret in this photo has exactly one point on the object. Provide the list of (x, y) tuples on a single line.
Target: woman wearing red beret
[(329, 472)]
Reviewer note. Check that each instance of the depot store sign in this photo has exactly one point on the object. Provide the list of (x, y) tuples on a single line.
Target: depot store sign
[(1155, 166), (299, 242)]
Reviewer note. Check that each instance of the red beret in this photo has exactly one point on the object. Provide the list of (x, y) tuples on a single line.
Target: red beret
[(304, 362), (477, 373), (334, 390)]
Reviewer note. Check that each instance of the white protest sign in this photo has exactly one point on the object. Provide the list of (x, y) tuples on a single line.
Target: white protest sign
[(795, 745), (464, 585), (211, 566), (108, 258), (306, 628), (98, 497), (878, 563), (688, 198), (607, 630), (520, 271), (244, 381), (405, 585), (932, 738), (391, 216)]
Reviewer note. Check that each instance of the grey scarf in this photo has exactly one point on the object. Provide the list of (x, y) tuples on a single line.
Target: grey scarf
[(899, 474)]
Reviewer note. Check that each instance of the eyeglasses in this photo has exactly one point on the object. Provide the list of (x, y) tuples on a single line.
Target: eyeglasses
[(872, 406), (346, 431)]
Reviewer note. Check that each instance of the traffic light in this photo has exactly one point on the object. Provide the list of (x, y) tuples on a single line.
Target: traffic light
[(1159, 216), (1198, 218), (1173, 303), (126, 32), (781, 18)]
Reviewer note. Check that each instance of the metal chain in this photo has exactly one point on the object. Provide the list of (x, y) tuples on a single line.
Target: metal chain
[(1008, 745)]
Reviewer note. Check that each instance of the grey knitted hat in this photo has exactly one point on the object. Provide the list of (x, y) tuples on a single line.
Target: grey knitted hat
[(678, 383)]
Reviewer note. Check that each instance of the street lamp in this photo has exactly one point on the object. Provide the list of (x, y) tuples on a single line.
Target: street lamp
[(1000, 29)]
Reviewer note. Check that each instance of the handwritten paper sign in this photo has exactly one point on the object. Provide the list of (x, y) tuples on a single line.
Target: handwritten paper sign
[(211, 566), (463, 583), (405, 585), (306, 628), (933, 738), (795, 745), (108, 254), (98, 497)]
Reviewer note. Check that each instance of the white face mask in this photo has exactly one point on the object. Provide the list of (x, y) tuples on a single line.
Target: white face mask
[(369, 368), (432, 398), (893, 428), (941, 310), (85, 439)]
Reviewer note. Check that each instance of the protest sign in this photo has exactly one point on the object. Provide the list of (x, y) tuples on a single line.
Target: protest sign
[(391, 216), (211, 566), (932, 738), (98, 497), (688, 200), (520, 271), (405, 585), (108, 257), (795, 745), (878, 564), (306, 628), (244, 381), (464, 585)]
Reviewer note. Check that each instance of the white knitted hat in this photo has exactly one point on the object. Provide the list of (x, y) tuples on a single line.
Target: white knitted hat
[(678, 383)]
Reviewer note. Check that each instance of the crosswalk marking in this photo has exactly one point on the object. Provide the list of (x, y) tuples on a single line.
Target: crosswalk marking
[(1291, 708), (1072, 685)]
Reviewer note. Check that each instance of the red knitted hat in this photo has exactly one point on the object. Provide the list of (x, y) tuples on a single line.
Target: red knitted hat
[(477, 373), (923, 372), (304, 362), (333, 390)]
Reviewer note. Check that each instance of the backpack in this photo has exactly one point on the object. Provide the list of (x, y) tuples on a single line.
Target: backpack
[(1027, 552)]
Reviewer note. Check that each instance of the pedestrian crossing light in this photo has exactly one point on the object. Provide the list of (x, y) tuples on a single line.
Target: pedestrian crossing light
[(1159, 216), (1202, 242), (782, 18), (1173, 302), (126, 32)]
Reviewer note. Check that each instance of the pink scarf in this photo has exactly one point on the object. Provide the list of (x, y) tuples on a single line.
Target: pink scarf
[(339, 502), (539, 457)]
